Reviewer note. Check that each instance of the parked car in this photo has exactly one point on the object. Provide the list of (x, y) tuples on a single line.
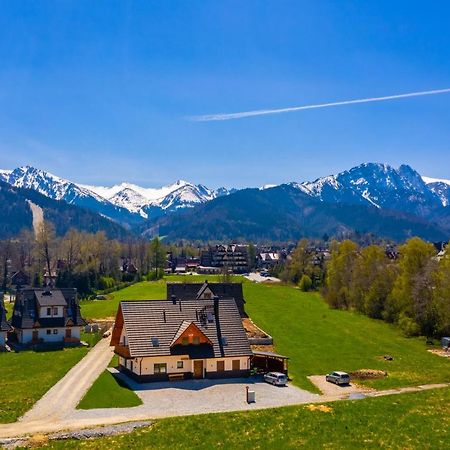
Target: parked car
[(276, 378), (339, 378)]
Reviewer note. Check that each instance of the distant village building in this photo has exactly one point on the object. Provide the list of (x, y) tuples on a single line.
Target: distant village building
[(207, 291), (20, 279), (47, 316), (232, 257), (4, 324), (181, 339), (268, 260)]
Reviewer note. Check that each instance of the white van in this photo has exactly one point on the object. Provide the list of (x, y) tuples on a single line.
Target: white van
[(276, 378)]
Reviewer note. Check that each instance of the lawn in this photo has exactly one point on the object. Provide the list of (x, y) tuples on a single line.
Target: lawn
[(146, 290), (316, 338), (109, 392), (412, 421), (26, 376)]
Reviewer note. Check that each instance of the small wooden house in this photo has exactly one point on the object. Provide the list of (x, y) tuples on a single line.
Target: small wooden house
[(47, 316), (181, 339)]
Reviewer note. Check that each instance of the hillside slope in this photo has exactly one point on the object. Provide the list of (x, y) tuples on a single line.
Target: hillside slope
[(16, 214)]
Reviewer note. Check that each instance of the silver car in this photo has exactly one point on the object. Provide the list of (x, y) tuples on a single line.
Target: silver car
[(276, 378), (339, 378)]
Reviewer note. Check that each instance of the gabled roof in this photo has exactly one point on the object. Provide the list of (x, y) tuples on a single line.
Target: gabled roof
[(165, 320), (187, 327), (190, 291)]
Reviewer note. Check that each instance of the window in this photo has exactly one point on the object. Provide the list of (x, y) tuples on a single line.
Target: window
[(49, 311), (224, 341), (55, 331), (220, 366), (49, 331), (179, 364), (185, 341), (160, 368), (210, 317), (207, 295), (55, 311), (196, 340), (155, 342)]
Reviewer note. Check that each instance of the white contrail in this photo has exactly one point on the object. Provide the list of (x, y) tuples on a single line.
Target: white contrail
[(263, 112)]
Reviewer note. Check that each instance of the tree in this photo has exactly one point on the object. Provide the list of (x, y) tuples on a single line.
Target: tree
[(412, 292), (45, 241), (157, 253), (340, 270), (373, 279)]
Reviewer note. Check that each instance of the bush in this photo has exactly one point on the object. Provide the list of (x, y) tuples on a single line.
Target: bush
[(408, 326), (305, 283), (106, 283)]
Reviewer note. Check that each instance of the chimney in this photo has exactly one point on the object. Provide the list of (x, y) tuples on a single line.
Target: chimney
[(219, 331), (174, 299)]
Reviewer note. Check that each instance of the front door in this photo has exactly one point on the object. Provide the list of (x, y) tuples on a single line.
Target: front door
[(198, 369), (68, 333), (35, 335)]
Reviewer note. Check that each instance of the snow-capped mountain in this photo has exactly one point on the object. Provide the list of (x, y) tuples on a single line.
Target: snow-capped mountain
[(440, 187), (125, 202), (380, 185)]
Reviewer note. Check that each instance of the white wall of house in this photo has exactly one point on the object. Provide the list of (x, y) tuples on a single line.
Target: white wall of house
[(56, 334), (51, 311), (145, 366), (2, 338)]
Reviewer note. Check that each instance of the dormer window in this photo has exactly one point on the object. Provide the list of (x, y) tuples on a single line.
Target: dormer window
[(155, 342)]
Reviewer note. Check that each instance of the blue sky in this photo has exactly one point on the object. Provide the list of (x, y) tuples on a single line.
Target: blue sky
[(98, 91)]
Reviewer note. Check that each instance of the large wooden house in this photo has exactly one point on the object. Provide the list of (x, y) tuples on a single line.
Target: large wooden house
[(207, 290), (47, 316), (4, 325), (181, 339)]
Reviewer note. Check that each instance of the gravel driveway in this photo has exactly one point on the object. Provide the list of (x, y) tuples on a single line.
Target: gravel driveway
[(177, 398)]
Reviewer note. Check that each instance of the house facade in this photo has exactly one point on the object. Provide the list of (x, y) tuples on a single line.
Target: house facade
[(4, 325), (181, 339), (232, 257), (47, 316), (207, 291)]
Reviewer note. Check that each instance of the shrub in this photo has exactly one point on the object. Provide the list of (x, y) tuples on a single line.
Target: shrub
[(408, 326), (305, 283)]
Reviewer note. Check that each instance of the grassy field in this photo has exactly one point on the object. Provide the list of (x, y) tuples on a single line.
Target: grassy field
[(109, 392), (319, 339), (409, 421), (26, 376)]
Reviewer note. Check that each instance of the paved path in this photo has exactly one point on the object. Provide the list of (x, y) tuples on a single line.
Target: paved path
[(56, 410), (256, 277)]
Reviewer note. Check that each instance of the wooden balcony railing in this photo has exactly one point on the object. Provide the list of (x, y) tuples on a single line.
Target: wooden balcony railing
[(122, 350)]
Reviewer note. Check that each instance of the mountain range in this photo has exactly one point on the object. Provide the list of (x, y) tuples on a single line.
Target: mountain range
[(372, 197)]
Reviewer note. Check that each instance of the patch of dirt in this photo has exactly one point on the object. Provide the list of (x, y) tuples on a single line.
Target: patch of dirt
[(322, 408), (252, 330), (440, 352), (368, 374), (263, 348)]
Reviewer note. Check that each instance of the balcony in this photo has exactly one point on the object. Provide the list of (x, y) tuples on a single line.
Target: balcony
[(122, 350)]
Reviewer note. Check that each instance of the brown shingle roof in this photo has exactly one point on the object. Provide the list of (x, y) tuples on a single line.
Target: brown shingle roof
[(146, 319)]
